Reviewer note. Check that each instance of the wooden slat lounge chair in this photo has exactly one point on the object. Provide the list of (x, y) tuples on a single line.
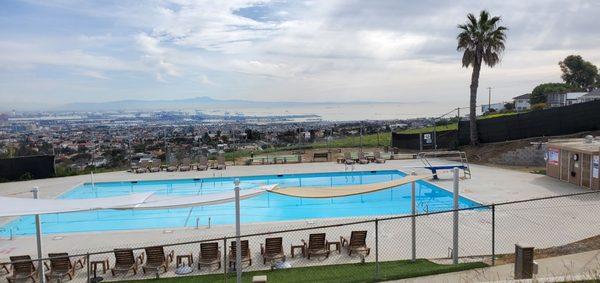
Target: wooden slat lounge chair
[(348, 158), (157, 259), (317, 245), (60, 267), (209, 255), (246, 256), (155, 166), (185, 165), (221, 162), (272, 250), (357, 243), (202, 163), (378, 158), (362, 159), (23, 269), (172, 166), (4, 267), (76, 262), (125, 261)]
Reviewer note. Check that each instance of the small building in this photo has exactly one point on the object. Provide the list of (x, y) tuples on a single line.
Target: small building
[(576, 161), (522, 102), (590, 96), (563, 99), (495, 106)]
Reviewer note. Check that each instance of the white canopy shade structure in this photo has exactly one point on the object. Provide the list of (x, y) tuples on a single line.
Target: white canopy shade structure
[(11, 206)]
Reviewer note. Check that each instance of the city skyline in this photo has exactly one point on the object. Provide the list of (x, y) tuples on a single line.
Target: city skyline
[(59, 52)]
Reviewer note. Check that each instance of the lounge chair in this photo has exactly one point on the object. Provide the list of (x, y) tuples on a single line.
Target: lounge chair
[(125, 261), (23, 268), (317, 245), (172, 166), (386, 155), (378, 158), (362, 159), (272, 250), (357, 243), (76, 262), (4, 267), (155, 167), (60, 266), (157, 259), (246, 257), (209, 255), (142, 167), (202, 163), (221, 162), (348, 158), (185, 165)]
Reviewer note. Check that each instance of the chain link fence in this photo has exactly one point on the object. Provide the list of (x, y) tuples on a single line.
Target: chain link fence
[(340, 250)]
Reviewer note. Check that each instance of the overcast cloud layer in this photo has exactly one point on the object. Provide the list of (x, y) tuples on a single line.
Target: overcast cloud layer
[(60, 51)]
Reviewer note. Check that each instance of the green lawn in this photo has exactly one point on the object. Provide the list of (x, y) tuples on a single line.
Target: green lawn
[(441, 128), (357, 272)]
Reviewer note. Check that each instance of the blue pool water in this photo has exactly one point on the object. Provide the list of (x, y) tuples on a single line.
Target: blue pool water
[(267, 207)]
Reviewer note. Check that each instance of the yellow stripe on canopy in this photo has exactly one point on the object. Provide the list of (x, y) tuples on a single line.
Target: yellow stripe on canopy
[(342, 191)]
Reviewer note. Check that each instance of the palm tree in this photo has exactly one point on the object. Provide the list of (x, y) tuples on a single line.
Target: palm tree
[(480, 40)]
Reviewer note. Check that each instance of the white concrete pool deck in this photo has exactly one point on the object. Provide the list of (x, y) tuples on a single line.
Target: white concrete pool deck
[(487, 185)]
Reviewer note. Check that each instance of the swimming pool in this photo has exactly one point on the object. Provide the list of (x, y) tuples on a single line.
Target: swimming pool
[(266, 207)]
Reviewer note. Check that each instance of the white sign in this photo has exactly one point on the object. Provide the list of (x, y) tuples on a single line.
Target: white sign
[(553, 154), (595, 166)]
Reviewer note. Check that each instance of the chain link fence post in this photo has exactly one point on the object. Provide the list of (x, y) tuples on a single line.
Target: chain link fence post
[(225, 259), (87, 265), (376, 248), (493, 234)]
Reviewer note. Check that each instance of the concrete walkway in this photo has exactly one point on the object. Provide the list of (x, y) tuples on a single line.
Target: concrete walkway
[(580, 266)]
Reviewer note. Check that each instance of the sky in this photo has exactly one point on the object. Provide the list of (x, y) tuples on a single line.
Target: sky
[(54, 52)]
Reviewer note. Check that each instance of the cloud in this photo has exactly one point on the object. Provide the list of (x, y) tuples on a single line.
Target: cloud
[(304, 50), (206, 81), (94, 74)]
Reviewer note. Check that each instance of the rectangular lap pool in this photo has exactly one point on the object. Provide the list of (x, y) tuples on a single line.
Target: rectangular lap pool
[(267, 207)]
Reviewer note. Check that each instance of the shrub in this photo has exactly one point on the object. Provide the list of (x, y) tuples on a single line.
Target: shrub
[(538, 106)]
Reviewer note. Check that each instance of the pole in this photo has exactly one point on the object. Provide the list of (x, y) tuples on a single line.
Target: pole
[(455, 220), (92, 179), (413, 220), (38, 237), (493, 234), (489, 99), (238, 244), (376, 248)]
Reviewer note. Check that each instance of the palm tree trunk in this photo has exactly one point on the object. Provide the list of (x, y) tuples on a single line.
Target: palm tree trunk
[(473, 103)]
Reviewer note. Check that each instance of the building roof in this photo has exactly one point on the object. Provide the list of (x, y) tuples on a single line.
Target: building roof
[(575, 95), (576, 145), (524, 96), (594, 92)]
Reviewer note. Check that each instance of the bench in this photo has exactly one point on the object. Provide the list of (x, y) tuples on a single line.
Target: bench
[(321, 155), (434, 169)]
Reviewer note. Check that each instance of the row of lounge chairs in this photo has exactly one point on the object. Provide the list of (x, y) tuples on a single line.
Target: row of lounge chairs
[(366, 157), (155, 259), (186, 165)]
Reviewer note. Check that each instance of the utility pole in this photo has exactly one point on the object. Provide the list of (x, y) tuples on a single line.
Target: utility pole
[(489, 98)]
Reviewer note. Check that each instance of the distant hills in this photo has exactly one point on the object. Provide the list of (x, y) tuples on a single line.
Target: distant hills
[(188, 103)]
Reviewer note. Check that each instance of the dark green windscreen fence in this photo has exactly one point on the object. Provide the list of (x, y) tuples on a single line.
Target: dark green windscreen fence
[(565, 120), (27, 167)]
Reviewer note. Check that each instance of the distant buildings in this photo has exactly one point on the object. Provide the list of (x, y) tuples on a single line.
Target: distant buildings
[(495, 106), (590, 96), (522, 102), (563, 99)]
